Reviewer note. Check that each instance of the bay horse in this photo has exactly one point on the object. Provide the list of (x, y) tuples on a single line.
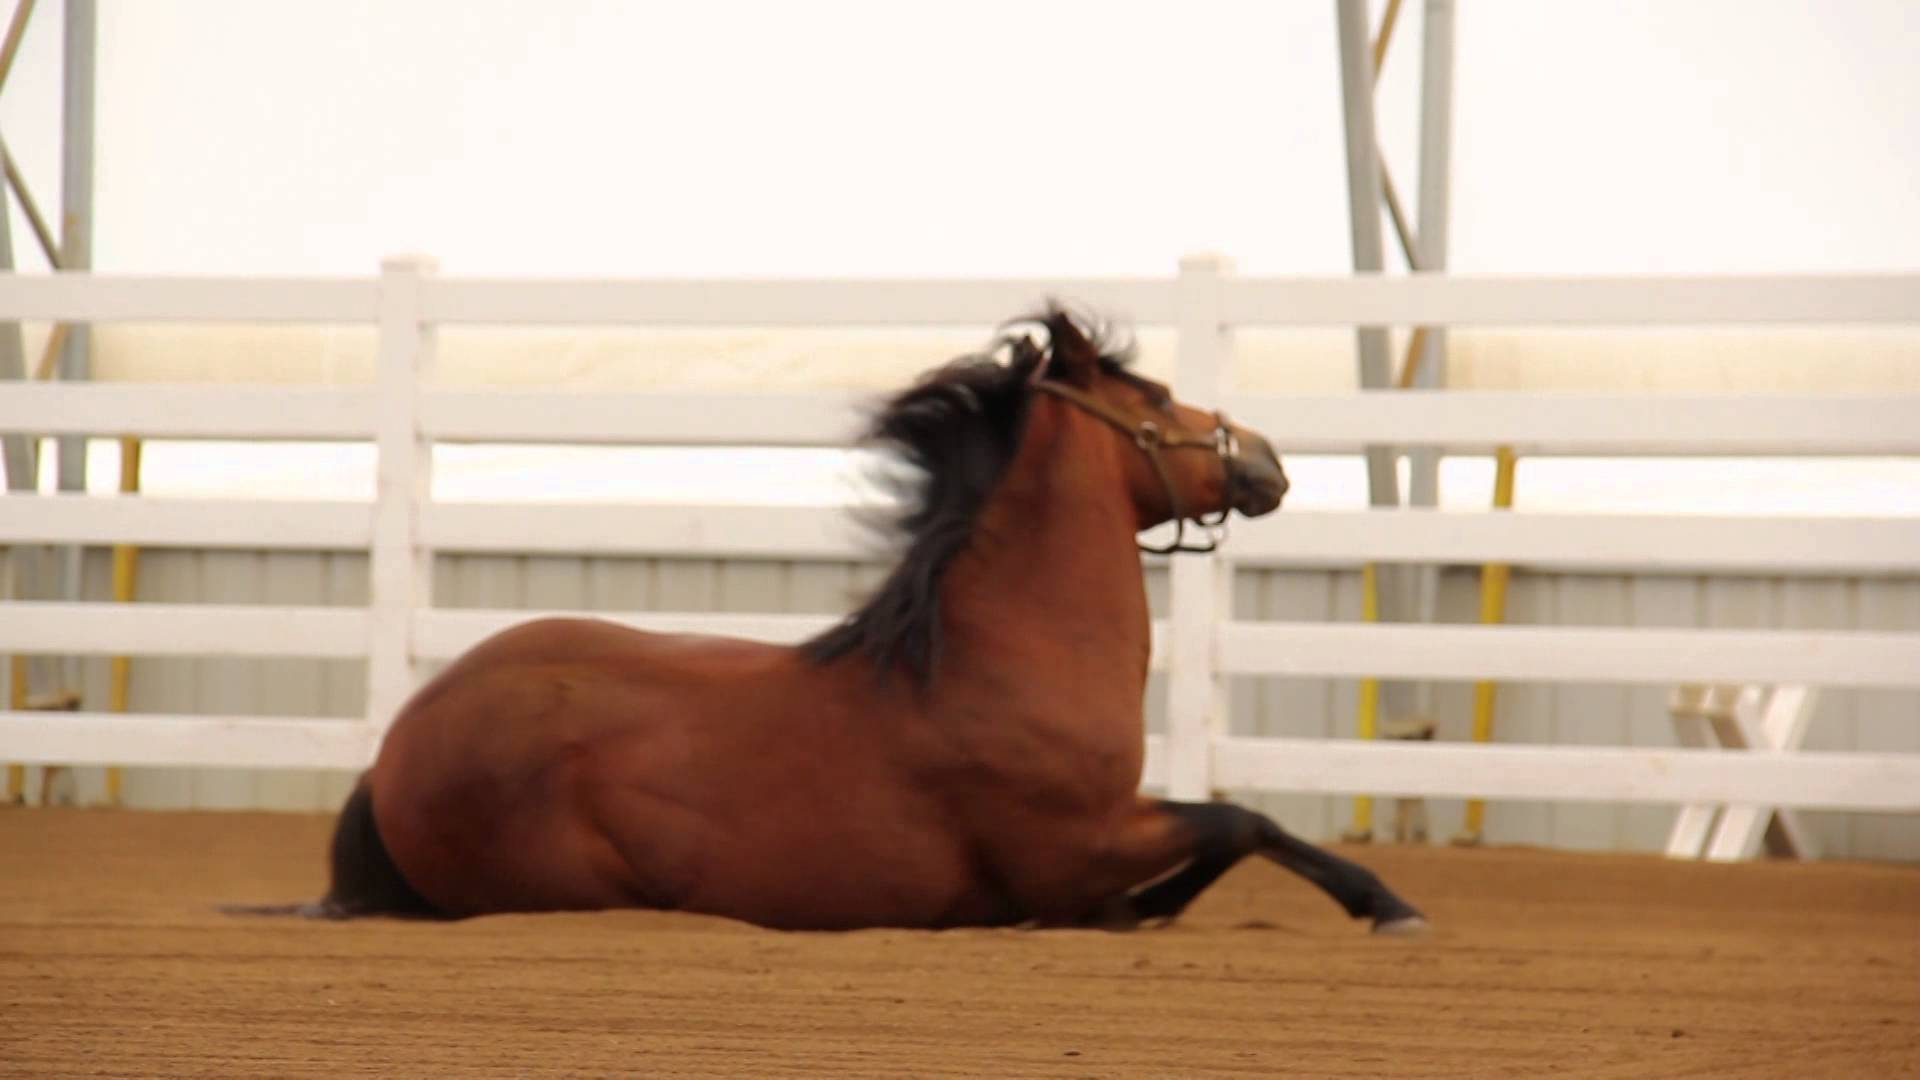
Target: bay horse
[(965, 749)]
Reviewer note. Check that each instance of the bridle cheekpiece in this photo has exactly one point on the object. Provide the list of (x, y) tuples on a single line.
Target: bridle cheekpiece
[(1151, 438)]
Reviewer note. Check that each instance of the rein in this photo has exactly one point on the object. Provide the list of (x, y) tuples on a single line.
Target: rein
[(1151, 438)]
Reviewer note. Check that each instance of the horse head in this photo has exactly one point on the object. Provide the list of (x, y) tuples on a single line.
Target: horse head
[(1191, 464)]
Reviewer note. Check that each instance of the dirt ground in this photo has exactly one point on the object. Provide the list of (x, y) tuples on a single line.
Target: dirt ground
[(112, 962)]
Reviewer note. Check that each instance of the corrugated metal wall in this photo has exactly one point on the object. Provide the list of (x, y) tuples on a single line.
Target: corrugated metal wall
[(1609, 715)]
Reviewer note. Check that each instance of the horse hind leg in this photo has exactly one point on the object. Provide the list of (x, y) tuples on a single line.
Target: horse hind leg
[(1354, 887), (1223, 834)]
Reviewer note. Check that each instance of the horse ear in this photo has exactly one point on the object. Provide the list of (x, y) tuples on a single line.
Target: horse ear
[(1072, 357), (1036, 361)]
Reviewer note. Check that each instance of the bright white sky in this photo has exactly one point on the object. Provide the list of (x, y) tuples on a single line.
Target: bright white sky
[(993, 137), (996, 137)]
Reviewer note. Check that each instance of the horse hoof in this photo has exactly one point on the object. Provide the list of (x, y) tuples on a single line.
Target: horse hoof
[(1404, 926)]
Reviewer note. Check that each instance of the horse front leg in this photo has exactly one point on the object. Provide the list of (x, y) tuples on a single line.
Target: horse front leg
[(1217, 835)]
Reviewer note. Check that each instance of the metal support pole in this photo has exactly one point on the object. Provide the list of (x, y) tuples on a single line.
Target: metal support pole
[(1363, 203), (76, 207), (1436, 140), (20, 450), (16, 30), (1436, 146), (76, 249), (1493, 611), (21, 453)]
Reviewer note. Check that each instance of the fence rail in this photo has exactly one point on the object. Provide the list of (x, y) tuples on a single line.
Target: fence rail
[(1200, 644), (1537, 423), (257, 630), (1463, 421), (1418, 299), (1643, 543), (1570, 300), (168, 411), (818, 419)]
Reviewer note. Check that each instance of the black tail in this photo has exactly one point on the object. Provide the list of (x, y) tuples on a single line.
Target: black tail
[(365, 879), (312, 909)]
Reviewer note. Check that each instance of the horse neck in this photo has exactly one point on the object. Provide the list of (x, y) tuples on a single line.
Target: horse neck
[(1048, 591)]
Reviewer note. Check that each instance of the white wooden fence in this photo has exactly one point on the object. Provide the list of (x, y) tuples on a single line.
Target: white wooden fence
[(1200, 645)]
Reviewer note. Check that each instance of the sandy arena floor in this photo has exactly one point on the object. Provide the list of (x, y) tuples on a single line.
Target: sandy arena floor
[(1540, 964)]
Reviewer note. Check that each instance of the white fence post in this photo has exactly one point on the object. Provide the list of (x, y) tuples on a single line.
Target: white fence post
[(401, 568), (1198, 584)]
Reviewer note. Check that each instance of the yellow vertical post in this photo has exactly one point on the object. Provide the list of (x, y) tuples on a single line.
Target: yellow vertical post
[(1367, 709), (16, 701), (1493, 609), (126, 575)]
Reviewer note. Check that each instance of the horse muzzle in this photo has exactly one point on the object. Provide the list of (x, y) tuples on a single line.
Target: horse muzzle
[(1259, 483)]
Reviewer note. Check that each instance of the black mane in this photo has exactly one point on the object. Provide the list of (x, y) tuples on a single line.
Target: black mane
[(959, 426)]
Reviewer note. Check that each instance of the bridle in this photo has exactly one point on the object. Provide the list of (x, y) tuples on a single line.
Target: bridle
[(1151, 438)]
